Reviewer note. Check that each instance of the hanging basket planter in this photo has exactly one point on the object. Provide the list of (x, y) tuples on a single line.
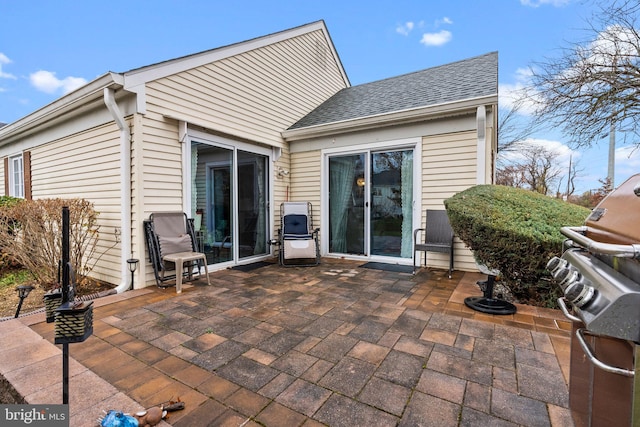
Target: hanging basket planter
[(52, 301), (74, 322)]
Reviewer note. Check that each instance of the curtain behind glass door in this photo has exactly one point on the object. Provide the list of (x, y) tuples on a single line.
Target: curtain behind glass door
[(391, 203), (346, 204)]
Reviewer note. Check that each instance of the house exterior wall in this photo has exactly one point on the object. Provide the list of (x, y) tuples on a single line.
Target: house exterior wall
[(305, 181), (85, 165), (449, 158), (252, 96), (448, 167)]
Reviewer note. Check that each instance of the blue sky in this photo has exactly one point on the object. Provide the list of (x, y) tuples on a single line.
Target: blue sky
[(50, 47)]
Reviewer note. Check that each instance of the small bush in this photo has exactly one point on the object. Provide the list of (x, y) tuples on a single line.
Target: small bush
[(514, 231), (31, 233), (9, 201)]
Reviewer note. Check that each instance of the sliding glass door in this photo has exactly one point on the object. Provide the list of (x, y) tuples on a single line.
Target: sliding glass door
[(229, 193), (371, 203)]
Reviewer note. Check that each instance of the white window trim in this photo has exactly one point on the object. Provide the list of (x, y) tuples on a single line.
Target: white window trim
[(13, 183)]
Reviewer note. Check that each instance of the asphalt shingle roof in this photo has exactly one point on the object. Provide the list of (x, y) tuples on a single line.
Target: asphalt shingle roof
[(457, 81)]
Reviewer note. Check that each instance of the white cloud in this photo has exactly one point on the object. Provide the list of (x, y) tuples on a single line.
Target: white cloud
[(4, 60), (405, 28), (613, 41), (510, 95), (46, 81), (537, 3), (627, 162), (436, 39), (444, 20)]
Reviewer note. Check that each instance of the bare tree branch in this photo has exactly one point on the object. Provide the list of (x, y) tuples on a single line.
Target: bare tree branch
[(596, 84)]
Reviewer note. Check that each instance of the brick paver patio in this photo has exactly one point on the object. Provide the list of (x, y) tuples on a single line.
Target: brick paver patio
[(335, 345)]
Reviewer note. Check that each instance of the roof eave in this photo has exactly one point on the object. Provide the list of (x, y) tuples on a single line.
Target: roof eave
[(413, 115), (62, 107)]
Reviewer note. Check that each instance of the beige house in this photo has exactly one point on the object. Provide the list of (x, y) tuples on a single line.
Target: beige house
[(228, 134)]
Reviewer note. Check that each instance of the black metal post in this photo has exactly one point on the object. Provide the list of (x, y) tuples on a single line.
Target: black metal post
[(18, 309), (65, 254), (65, 299)]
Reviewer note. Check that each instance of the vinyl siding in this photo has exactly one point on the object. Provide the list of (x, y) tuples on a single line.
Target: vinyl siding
[(86, 165), (448, 167), (305, 181), (281, 187), (161, 165), (160, 170), (255, 95)]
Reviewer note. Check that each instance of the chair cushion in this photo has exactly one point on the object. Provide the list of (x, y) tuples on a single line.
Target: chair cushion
[(299, 249), (295, 224), (172, 245)]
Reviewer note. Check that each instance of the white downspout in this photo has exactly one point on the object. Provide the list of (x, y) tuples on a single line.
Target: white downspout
[(125, 194), (481, 155)]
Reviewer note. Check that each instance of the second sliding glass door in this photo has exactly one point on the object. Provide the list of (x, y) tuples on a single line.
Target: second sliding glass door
[(371, 203)]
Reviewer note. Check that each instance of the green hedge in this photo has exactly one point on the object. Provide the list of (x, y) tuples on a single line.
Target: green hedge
[(516, 232)]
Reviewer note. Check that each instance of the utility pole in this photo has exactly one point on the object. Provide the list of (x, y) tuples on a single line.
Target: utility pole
[(612, 154), (569, 177)]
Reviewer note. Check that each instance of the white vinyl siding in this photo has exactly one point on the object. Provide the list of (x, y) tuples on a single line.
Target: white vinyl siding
[(86, 165), (448, 167), (254, 95), (305, 181), (161, 165), (161, 172)]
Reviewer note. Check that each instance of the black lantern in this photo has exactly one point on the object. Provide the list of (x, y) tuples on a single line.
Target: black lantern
[(74, 322), (23, 291), (133, 265)]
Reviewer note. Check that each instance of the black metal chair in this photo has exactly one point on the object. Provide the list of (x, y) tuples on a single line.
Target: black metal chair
[(438, 237), (297, 238), (172, 246)]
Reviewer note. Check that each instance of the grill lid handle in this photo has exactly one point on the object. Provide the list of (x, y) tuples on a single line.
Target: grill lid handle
[(577, 235), (587, 351)]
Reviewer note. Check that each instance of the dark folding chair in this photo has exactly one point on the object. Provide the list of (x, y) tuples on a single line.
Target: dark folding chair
[(438, 237), (171, 242)]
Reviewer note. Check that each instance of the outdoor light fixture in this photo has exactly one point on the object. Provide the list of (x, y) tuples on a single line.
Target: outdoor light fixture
[(133, 265), (23, 291)]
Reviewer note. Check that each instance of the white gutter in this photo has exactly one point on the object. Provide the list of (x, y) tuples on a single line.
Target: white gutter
[(125, 193)]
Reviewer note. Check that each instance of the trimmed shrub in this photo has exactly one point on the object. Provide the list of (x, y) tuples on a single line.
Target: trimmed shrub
[(514, 231)]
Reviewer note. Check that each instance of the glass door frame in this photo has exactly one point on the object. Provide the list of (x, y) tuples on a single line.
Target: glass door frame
[(393, 145), (234, 146)]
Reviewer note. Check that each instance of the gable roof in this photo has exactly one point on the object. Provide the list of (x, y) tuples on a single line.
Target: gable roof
[(466, 80), (176, 65), (90, 96)]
